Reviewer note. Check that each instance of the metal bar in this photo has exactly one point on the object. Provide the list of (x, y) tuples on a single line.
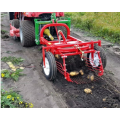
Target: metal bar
[(43, 53), (14, 31)]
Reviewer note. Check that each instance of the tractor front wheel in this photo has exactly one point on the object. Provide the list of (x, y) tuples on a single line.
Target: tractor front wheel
[(50, 69), (27, 33)]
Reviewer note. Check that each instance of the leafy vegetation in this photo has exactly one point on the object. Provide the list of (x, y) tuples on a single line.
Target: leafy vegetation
[(12, 74), (3, 31), (2, 15), (14, 60), (101, 24), (12, 99)]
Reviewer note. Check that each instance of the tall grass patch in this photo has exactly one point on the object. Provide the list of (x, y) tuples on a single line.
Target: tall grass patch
[(102, 24)]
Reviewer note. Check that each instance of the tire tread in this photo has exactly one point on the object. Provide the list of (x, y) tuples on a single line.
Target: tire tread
[(28, 31)]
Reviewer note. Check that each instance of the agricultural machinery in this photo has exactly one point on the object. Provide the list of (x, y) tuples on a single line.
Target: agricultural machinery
[(78, 61)]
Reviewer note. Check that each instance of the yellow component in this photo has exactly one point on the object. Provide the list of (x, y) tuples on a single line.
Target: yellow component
[(9, 96), (17, 97), (57, 56), (12, 98), (74, 73), (30, 105), (49, 43), (20, 102), (2, 75), (87, 90), (81, 72), (82, 53), (47, 32)]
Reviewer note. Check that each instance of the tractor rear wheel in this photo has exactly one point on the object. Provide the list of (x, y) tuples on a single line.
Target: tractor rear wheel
[(27, 33), (50, 69), (63, 29), (16, 24), (95, 63)]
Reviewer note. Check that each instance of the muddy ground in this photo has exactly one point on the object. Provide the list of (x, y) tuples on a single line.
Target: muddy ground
[(35, 88)]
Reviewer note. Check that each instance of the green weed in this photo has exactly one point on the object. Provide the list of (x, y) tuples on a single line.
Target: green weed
[(14, 60), (12, 74), (12, 99), (3, 31)]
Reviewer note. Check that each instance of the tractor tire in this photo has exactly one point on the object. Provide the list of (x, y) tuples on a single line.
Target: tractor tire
[(63, 29), (50, 71), (102, 55), (16, 24), (27, 33)]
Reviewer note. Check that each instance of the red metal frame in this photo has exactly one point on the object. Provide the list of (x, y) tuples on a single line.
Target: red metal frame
[(67, 47), (36, 14), (14, 31)]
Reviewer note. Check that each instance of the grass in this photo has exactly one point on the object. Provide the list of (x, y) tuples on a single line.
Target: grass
[(101, 24)]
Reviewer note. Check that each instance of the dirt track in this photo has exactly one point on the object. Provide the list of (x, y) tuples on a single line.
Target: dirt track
[(42, 93)]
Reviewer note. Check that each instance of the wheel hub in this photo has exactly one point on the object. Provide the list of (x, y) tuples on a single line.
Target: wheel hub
[(95, 62), (47, 67), (21, 36)]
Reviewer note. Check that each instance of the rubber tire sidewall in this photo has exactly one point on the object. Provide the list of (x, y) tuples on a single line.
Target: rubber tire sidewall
[(15, 23), (63, 29), (27, 31), (53, 68), (102, 55)]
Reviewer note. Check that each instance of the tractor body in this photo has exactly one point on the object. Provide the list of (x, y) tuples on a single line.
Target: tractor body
[(38, 19)]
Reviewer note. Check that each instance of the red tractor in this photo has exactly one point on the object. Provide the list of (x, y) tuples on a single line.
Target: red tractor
[(27, 25), (78, 61)]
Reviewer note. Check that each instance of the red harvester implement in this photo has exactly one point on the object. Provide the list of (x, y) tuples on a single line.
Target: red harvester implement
[(72, 57)]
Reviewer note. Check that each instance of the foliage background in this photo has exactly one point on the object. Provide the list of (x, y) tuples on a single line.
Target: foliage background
[(101, 24)]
